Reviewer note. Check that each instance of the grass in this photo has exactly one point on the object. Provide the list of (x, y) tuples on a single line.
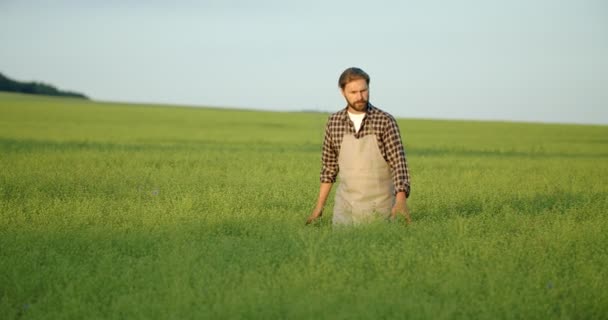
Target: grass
[(124, 211)]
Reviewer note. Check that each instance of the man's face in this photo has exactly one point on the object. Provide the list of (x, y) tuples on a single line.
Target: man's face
[(356, 94)]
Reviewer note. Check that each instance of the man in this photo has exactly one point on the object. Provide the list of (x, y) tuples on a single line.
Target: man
[(363, 146)]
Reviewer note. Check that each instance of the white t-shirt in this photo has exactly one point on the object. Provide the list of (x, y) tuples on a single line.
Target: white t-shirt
[(357, 119)]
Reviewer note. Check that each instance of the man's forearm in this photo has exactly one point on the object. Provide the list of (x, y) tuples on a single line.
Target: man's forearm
[(400, 196), (323, 194), (401, 207)]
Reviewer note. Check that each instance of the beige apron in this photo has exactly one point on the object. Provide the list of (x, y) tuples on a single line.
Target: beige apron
[(365, 190)]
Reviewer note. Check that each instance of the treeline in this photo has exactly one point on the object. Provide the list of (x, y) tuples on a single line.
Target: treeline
[(10, 85)]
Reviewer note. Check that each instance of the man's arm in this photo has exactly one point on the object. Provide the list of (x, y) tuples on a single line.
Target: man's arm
[(323, 194), (395, 155), (401, 177), (329, 171), (401, 207)]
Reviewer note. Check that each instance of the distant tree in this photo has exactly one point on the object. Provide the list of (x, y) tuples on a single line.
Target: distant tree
[(10, 85)]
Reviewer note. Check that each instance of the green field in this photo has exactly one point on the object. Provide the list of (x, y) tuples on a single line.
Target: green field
[(156, 212)]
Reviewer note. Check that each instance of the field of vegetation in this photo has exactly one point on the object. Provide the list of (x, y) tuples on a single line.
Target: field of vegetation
[(156, 212)]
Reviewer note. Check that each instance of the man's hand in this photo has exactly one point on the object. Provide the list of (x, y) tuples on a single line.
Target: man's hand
[(401, 208), (316, 214)]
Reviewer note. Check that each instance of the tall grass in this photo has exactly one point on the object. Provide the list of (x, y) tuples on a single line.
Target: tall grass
[(125, 211)]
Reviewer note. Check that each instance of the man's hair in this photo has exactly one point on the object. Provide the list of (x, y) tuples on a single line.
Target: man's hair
[(352, 74)]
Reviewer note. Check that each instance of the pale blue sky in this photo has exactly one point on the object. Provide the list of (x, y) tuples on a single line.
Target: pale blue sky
[(544, 60)]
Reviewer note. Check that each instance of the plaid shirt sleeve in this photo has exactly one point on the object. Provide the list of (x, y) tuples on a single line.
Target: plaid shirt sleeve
[(329, 158), (395, 154)]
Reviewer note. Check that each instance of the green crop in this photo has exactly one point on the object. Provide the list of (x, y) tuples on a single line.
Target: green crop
[(126, 211)]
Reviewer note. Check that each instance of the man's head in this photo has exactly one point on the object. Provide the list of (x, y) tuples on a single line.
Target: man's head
[(354, 84)]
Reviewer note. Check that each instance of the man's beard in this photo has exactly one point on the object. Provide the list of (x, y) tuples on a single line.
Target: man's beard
[(360, 105)]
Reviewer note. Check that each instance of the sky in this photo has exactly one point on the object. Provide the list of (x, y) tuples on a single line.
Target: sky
[(512, 60)]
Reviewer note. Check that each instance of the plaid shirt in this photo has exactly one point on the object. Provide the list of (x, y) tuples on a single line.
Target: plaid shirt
[(377, 122)]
